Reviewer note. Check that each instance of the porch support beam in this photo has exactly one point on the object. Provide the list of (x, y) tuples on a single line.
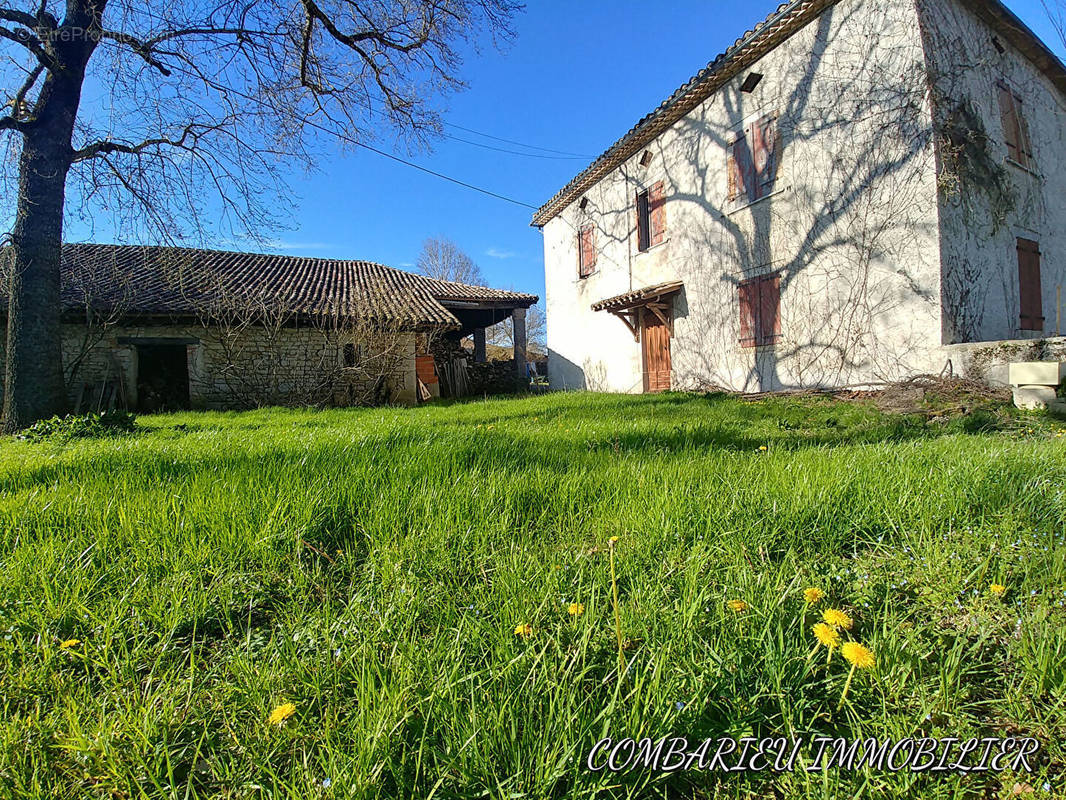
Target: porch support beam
[(630, 323), (479, 345), (518, 317)]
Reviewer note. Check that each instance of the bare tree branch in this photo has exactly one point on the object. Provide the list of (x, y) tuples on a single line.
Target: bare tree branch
[(143, 49), (31, 43)]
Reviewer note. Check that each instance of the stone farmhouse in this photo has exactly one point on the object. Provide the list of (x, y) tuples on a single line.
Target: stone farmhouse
[(855, 191), (156, 328)]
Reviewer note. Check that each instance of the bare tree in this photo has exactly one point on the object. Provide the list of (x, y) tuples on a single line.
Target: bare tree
[(441, 258), (202, 99), (1056, 12), (502, 333)]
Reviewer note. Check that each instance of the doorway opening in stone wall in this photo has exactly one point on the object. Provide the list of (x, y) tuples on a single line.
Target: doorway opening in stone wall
[(162, 377), (655, 348)]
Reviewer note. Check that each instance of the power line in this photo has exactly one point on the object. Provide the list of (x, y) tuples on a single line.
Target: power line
[(365, 146), (427, 170), (512, 152), (520, 144)]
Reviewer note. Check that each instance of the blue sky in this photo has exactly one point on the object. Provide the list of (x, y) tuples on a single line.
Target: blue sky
[(577, 76)]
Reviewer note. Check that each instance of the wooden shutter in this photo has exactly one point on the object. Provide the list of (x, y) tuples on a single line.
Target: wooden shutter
[(749, 299), (731, 172), (586, 247), (1025, 148), (1008, 115), (1032, 318), (643, 222), (769, 328), (657, 213), (740, 168), (765, 145)]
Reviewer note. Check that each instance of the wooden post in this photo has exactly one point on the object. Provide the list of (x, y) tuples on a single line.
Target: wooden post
[(479, 345), (518, 317)]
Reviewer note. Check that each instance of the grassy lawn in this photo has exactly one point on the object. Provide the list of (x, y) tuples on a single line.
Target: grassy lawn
[(371, 566)]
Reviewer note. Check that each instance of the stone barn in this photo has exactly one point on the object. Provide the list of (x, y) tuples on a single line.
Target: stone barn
[(161, 328)]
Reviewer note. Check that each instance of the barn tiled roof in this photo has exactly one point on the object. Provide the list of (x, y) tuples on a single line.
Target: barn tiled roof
[(174, 281), (749, 48)]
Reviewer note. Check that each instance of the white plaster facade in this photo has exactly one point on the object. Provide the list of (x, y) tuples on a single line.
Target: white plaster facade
[(862, 225)]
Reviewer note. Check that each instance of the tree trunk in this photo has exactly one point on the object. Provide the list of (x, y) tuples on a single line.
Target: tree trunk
[(34, 387)]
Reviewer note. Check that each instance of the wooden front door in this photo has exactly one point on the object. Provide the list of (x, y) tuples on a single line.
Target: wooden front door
[(655, 347)]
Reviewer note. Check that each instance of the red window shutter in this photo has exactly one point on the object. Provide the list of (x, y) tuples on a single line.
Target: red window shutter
[(749, 298), (643, 222), (1025, 148), (769, 310), (766, 153), (741, 169), (1032, 318), (586, 256), (732, 172), (1008, 115), (657, 213)]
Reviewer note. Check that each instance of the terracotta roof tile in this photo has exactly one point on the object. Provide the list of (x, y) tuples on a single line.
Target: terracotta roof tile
[(170, 281)]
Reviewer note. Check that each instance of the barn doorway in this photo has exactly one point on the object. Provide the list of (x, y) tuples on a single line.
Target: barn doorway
[(655, 351), (162, 377)]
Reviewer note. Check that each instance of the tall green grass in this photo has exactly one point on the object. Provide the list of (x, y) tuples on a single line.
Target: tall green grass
[(370, 567)]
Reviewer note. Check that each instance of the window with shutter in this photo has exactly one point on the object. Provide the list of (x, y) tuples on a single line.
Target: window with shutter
[(586, 250), (1032, 314), (643, 221), (657, 213), (1015, 127), (753, 159), (760, 311)]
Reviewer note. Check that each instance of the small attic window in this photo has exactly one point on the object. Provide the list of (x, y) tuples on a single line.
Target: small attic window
[(996, 43), (583, 203), (646, 158), (751, 82)]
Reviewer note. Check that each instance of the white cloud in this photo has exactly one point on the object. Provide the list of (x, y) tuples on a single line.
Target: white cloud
[(284, 245), (495, 252)]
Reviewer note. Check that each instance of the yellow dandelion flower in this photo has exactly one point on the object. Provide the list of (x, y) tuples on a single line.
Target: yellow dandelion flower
[(523, 629), (575, 609), (69, 643), (857, 655), (281, 713), (837, 618), (762, 447), (826, 635), (860, 658), (998, 589), (612, 540), (738, 606), (813, 595)]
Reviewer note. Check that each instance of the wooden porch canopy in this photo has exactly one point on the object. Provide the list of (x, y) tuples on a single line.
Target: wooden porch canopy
[(627, 307)]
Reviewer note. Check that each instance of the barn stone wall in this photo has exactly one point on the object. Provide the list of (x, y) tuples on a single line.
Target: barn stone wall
[(255, 367)]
